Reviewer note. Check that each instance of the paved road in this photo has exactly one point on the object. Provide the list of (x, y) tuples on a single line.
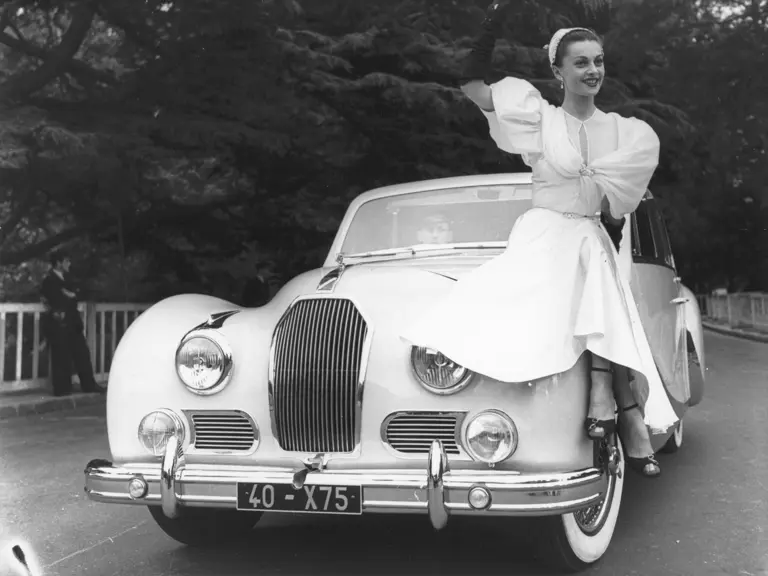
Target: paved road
[(707, 514)]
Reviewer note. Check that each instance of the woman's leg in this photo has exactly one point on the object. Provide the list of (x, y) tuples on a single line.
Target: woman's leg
[(600, 416), (633, 431)]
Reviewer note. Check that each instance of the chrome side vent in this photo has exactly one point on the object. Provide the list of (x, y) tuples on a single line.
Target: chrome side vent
[(223, 431), (414, 432)]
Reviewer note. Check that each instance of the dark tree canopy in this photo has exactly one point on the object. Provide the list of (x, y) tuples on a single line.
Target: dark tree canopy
[(191, 146)]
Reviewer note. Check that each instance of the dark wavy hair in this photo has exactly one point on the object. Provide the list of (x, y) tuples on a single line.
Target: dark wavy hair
[(572, 38)]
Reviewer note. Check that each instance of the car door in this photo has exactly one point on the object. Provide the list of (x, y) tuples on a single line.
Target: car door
[(657, 290)]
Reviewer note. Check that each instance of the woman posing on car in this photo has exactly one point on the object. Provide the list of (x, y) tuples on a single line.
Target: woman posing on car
[(556, 292)]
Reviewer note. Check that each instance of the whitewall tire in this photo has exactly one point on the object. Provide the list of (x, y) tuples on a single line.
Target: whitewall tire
[(579, 540)]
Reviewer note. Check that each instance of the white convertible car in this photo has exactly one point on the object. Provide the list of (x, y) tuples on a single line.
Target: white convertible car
[(218, 414)]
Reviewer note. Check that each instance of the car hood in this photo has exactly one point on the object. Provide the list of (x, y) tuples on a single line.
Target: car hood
[(386, 292)]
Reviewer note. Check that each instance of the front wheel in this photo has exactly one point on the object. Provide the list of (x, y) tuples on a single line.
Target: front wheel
[(206, 527), (576, 541)]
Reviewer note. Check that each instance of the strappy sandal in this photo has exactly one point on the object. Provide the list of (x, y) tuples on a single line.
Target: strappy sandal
[(599, 429), (647, 466)]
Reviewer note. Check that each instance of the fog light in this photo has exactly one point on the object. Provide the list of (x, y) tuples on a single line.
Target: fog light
[(479, 498), (137, 488), (491, 437), (157, 427)]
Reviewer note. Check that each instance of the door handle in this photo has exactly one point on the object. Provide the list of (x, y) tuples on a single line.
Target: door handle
[(680, 300)]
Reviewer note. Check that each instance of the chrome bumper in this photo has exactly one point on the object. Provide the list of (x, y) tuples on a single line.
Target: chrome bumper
[(436, 491)]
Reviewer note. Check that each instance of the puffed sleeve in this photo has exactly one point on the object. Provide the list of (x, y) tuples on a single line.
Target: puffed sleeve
[(515, 122), (625, 179)]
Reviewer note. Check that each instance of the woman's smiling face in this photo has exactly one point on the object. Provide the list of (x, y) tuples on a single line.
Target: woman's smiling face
[(583, 68)]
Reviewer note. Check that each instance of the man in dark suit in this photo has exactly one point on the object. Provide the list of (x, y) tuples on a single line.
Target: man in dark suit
[(64, 330)]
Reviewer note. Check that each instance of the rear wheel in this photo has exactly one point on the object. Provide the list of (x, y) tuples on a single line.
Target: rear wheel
[(576, 541), (206, 527)]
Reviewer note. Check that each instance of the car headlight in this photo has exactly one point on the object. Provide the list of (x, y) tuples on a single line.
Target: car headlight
[(491, 437), (204, 362), (157, 428), (437, 373)]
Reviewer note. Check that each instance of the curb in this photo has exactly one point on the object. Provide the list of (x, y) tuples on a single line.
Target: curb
[(53, 404), (735, 332)]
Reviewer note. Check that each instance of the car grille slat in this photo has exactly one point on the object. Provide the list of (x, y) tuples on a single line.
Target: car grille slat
[(223, 431), (224, 434), (342, 318), (317, 369), (414, 432), (408, 435), (295, 359)]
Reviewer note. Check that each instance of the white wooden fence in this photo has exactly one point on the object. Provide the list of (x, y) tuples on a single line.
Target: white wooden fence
[(24, 357), (740, 310), (25, 362)]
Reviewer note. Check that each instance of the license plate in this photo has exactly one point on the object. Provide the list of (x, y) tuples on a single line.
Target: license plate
[(310, 499)]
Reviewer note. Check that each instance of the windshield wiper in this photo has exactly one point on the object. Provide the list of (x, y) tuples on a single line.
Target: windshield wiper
[(342, 258)]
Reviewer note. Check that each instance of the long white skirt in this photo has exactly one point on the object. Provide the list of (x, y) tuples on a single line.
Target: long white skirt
[(532, 311)]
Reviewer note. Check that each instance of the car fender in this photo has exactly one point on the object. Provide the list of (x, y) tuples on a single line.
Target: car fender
[(695, 331), (143, 374)]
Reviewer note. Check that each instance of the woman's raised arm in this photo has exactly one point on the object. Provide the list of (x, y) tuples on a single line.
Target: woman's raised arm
[(479, 61)]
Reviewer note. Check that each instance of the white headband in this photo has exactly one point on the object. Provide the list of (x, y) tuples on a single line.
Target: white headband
[(555, 42)]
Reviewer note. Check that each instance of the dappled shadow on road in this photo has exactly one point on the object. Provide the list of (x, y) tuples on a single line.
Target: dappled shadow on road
[(375, 545)]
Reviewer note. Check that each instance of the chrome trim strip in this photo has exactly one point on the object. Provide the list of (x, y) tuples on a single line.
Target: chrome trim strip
[(407, 479), (271, 378), (395, 506), (530, 510), (365, 357)]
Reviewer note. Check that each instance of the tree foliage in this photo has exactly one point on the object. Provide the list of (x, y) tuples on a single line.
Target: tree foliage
[(187, 146)]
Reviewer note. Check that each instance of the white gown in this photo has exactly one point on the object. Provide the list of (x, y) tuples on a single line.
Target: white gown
[(557, 290)]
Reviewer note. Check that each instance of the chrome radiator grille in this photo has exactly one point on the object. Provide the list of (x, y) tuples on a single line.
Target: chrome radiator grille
[(413, 432), (231, 431), (317, 360)]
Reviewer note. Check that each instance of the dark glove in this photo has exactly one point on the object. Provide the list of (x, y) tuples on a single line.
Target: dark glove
[(614, 230), (478, 63)]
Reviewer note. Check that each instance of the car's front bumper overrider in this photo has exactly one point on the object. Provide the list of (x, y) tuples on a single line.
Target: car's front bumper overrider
[(437, 491)]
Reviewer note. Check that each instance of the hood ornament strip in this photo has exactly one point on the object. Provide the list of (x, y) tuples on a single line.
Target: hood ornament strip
[(215, 320), (443, 275), (330, 280)]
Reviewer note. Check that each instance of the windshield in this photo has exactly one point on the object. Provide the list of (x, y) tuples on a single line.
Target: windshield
[(468, 215)]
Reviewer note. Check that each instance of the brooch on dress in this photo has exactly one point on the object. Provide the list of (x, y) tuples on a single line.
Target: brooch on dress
[(586, 171)]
